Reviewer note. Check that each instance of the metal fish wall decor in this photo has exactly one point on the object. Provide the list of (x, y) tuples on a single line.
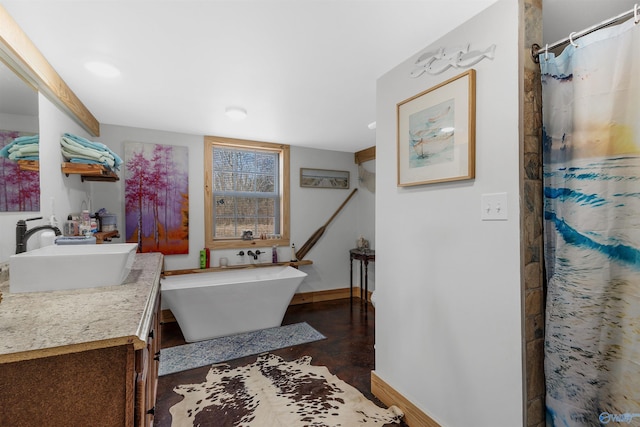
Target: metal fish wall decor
[(441, 59)]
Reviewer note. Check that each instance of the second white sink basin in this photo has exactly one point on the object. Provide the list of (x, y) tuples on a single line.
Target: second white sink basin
[(55, 267)]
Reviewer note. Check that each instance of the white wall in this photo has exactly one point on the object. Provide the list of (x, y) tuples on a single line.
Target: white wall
[(69, 192), (448, 306), (310, 208)]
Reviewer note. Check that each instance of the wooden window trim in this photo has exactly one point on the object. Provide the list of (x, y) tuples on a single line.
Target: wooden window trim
[(284, 150)]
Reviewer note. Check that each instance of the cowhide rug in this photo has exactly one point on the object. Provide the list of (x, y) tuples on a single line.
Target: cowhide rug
[(273, 393)]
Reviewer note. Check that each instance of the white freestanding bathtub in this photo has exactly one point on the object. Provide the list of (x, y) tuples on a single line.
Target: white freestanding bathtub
[(215, 304)]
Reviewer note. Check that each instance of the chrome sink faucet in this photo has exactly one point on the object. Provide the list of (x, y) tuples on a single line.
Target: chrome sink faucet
[(254, 254), (22, 235)]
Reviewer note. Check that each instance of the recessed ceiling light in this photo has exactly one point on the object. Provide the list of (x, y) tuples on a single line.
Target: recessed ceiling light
[(102, 69), (236, 113), (372, 125)]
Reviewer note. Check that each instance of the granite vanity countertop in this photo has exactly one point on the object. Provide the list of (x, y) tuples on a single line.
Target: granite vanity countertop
[(43, 324)]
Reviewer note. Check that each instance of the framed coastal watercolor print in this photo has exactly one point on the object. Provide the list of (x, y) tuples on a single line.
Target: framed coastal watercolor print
[(436, 133)]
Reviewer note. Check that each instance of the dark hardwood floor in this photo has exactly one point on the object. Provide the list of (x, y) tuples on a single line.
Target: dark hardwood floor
[(347, 352)]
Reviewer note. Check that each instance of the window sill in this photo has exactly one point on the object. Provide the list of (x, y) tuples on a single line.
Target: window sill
[(248, 244)]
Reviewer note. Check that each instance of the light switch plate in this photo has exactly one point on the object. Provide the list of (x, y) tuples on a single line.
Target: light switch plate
[(493, 207)]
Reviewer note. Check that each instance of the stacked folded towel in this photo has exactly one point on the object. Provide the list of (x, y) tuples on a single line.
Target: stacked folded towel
[(22, 148), (80, 150)]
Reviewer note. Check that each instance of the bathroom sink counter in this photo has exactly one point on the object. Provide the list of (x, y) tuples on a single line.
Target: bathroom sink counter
[(43, 324)]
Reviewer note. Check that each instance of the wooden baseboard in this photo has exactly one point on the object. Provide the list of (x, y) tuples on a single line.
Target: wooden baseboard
[(413, 416), (166, 315), (327, 295)]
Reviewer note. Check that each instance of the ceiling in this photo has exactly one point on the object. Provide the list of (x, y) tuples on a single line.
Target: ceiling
[(305, 70)]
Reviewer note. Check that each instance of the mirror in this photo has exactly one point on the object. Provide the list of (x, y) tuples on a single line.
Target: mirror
[(19, 180)]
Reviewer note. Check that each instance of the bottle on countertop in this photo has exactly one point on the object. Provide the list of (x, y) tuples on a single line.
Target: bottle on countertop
[(71, 227), (85, 217), (203, 258), (294, 257), (85, 224), (94, 224), (274, 254)]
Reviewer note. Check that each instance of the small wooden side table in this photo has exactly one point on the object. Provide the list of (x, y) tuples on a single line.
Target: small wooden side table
[(364, 256)]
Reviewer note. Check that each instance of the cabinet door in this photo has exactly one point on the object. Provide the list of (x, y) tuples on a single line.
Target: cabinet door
[(147, 364), (142, 369)]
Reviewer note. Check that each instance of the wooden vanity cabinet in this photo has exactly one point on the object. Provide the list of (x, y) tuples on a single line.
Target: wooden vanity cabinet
[(108, 381), (112, 386)]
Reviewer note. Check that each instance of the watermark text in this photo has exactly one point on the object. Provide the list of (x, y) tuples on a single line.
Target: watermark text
[(606, 418)]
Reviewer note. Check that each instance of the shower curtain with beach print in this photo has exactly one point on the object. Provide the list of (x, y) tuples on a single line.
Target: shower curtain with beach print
[(591, 137)]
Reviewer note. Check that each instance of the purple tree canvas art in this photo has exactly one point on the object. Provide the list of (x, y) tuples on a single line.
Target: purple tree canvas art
[(20, 189), (157, 197)]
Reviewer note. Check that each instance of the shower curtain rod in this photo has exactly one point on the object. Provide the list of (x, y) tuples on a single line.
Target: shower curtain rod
[(537, 50)]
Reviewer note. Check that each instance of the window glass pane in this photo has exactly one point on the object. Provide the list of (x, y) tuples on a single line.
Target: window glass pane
[(223, 181), (245, 182), (265, 226), (224, 228), (246, 207), (246, 161), (224, 207), (265, 184), (266, 207), (247, 224), (267, 163), (222, 159)]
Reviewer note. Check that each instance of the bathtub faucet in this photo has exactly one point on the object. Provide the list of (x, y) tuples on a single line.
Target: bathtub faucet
[(254, 254)]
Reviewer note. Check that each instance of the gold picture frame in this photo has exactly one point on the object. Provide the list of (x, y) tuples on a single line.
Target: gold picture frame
[(436, 133)]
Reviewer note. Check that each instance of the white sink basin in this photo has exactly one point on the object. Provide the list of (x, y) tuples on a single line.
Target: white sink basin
[(53, 268)]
